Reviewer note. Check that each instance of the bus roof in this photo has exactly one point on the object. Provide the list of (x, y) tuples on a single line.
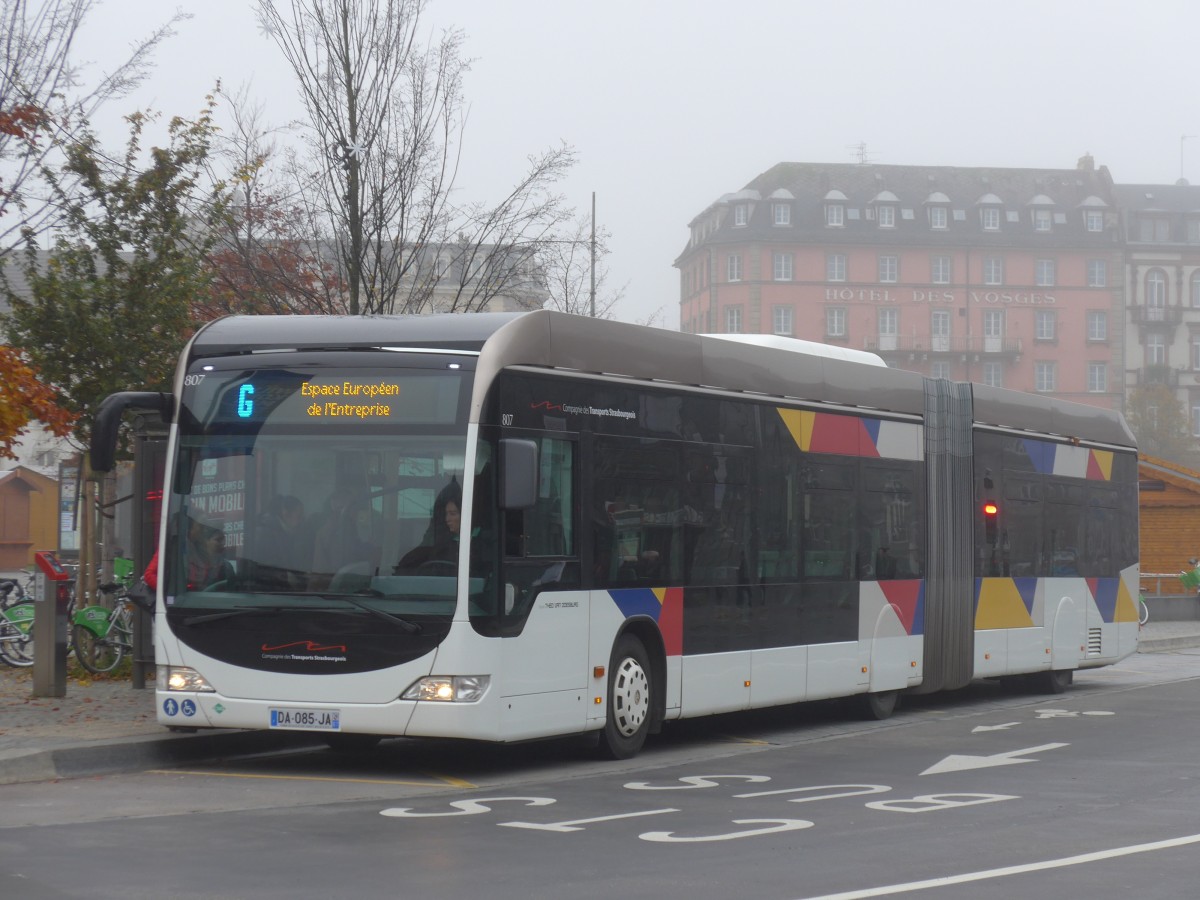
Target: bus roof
[(554, 340)]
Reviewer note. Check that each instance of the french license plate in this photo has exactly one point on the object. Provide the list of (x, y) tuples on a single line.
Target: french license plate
[(307, 719)]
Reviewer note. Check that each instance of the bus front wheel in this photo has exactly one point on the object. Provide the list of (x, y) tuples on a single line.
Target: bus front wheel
[(629, 698)]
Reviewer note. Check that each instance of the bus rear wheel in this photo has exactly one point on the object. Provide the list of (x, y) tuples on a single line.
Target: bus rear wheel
[(629, 700), (1054, 681), (880, 704)]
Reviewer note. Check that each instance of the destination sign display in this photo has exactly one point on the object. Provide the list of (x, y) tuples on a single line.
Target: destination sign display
[(287, 397)]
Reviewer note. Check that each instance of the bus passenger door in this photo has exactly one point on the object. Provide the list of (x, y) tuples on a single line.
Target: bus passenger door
[(545, 616)]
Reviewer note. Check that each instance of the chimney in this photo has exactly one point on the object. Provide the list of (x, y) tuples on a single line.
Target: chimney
[(1086, 163)]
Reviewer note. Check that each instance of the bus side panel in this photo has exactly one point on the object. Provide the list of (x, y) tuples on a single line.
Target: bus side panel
[(716, 682), (779, 675), (833, 670)]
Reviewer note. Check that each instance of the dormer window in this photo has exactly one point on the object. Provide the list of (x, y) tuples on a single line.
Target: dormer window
[(1043, 213), (989, 218), (835, 209), (885, 203), (741, 215), (781, 213), (938, 206)]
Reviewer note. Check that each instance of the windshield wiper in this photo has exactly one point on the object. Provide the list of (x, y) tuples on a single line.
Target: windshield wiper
[(398, 621), (230, 613), (352, 599)]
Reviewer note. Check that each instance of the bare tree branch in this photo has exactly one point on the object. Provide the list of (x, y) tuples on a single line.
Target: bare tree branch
[(385, 125), (46, 103)]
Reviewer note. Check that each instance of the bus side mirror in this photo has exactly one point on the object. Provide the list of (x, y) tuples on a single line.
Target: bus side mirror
[(107, 423), (518, 473)]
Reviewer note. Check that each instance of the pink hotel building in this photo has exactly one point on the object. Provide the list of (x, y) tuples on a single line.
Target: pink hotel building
[(1010, 277)]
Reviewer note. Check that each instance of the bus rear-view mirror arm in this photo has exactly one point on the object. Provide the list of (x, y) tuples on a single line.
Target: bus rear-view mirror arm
[(107, 423)]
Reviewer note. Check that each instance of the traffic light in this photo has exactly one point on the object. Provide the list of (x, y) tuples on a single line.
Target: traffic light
[(990, 512)]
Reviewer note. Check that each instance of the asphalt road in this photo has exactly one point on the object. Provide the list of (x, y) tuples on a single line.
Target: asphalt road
[(985, 793)]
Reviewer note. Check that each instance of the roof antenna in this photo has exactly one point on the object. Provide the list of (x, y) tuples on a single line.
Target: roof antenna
[(863, 158)]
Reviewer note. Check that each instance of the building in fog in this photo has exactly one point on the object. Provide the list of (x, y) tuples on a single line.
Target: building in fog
[(1162, 242), (1011, 277)]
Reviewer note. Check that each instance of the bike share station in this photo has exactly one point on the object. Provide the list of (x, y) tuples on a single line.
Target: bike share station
[(50, 626)]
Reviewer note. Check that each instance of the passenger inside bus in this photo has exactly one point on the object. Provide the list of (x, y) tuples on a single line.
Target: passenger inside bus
[(438, 551), (344, 541), (281, 551), (206, 563)]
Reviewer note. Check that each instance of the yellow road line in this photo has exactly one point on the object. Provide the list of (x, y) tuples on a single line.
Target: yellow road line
[(455, 782)]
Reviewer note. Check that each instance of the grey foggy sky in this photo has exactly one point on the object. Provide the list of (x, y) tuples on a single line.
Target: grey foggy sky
[(671, 104)]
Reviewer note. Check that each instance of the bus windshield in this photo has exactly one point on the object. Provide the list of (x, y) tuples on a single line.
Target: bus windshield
[(317, 488)]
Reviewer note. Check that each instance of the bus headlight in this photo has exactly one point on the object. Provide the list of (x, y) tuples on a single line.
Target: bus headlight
[(448, 688), (181, 678)]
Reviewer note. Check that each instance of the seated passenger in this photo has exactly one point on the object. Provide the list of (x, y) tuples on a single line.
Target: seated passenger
[(442, 538)]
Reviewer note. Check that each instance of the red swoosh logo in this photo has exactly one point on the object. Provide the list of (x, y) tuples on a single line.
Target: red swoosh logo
[(545, 404), (309, 646)]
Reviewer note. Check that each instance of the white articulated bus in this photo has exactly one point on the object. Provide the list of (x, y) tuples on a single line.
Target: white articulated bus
[(654, 525)]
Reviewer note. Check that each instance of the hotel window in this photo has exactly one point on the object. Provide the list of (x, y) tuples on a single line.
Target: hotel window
[(993, 329), (741, 214), (1045, 376), (835, 266), (835, 322), (734, 271), (1043, 273), (887, 216), (993, 270), (783, 267), (1154, 230), (889, 323), (783, 213), (1156, 350), (733, 320), (835, 215), (1156, 295), (1094, 220), (1195, 289), (1044, 324), (1097, 273), (1097, 378), (939, 269), (938, 218), (939, 330), (993, 374), (1042, 219), (889, 269), (989, 216), (783, 320), (1097, 325)]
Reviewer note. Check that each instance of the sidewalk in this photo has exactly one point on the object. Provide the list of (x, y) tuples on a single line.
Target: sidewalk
[(102, 726)]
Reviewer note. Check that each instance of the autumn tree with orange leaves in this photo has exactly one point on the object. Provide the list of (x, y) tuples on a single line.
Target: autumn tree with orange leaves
[(23, 399)]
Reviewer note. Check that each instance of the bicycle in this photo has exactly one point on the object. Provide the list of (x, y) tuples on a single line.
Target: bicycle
[(16, 634), (100, 636)]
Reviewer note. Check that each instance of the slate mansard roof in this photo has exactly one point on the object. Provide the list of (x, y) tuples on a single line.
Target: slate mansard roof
[(1067, 194)]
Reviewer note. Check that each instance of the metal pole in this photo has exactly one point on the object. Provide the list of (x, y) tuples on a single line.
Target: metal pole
[(593, 292)]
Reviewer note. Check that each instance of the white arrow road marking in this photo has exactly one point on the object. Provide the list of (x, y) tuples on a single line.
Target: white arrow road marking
[(1003, 727), (959, 763)]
